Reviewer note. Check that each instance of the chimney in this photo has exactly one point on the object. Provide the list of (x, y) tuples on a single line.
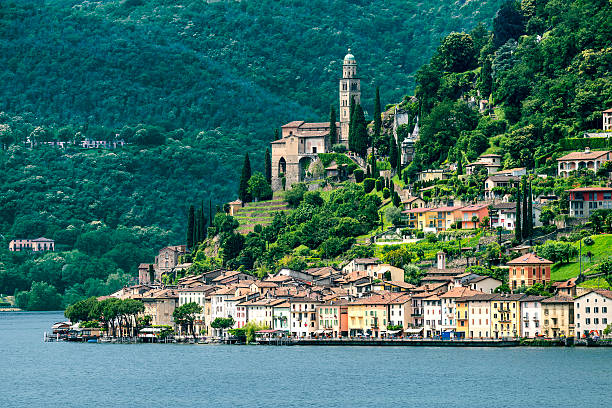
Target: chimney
[(441, 260), (587, 150)]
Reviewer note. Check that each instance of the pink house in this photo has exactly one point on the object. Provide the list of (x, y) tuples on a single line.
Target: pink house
[(468, 213)]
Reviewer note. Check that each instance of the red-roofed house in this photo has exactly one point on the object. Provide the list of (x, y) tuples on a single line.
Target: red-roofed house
[(591, 160), (583, 201), (527, 270)]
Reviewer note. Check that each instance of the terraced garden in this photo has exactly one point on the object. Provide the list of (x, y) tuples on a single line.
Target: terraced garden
[(261, 212), (600, 250)]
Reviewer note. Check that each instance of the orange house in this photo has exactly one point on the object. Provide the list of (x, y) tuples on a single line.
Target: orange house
[(468, 213), (527, 270)]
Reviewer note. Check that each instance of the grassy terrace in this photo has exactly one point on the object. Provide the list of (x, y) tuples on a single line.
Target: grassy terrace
[(261, 212), (600, 250)]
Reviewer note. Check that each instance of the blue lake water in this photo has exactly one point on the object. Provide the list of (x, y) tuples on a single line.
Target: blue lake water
[(38, 374)]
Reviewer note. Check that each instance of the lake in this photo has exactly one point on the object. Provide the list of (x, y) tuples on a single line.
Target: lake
[(37, 374)]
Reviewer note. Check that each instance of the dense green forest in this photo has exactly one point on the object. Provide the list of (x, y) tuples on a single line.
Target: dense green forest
[(191, 86), (545, 68)]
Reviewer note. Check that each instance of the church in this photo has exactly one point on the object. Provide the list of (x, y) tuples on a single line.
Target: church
[(301, 141)]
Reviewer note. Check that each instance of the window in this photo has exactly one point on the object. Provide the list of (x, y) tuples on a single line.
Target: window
[(588, 310), (595, 309)]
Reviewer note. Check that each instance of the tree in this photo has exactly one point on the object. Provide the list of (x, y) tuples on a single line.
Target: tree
[(457, 52), (258, 187), (190, 227), (41, 296), (243, 192), (360, 132), (268, 166), (530, 209), (185, 315), (508, 23), (525, 229), (518, 226), (397, 201), (351, 135), (276, 134), (377, 115), (203, 223), (81, 310), (393, 153), (333, 132), (222, 323)]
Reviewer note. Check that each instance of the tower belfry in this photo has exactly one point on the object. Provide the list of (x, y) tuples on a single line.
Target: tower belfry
[(350, 87)]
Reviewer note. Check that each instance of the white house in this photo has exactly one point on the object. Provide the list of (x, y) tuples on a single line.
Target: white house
[(196, 294), (531, 315), (479, 311), (360, 264), (303, 316), (485, 284), (432, 315), (281, 317), (592, 313)]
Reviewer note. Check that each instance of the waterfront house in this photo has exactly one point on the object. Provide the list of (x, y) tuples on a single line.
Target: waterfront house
[(449, 306), (462, 317), (527, 270), (160, 305), (558, 314), (333, 318), (585, 200), (506, 315), (400, 311), (303, 316), (196, 294), (432, 318), (369, 315), (417, 309), (261, 311), (479, 314), (531, 315), (281, 316), (593, 313)]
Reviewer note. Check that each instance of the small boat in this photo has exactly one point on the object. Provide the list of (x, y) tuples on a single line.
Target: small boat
[(92, 340)]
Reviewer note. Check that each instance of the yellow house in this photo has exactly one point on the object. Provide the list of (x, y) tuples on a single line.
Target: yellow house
[(445, 217), (463, 321), (415, 217), (369, 316), (506, 315), (558, 315)]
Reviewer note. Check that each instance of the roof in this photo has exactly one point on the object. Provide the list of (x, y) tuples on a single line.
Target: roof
[(481, 278), (474, 207), (584, 155), (264, 284), (416, 210), (481, 297), (559, 299), (295, 123), (603, 292), (570, 283), (446, 209), (502, 178), (490, 155), (591, 189), (459, 292), (366, 261), (378, 299), (532, 298), (529, 259), (42, 239), (404, 285), (508, 296)]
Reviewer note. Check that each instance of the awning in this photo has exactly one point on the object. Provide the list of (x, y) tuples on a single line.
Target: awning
[(414, 331), (393, 331)]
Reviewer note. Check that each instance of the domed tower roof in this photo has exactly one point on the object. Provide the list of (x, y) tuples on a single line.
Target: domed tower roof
[(349, 58)]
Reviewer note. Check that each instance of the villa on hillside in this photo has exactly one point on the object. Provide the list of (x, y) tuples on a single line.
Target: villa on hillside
[(588, 159), (38, 244), (492, 162)]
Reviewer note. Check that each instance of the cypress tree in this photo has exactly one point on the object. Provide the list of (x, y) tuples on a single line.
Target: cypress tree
[(374, 167), (268, 167), (391, 186), (392, 153), (360, 132), (333, 132), (244, 180), (276, 134), (459, 165), (203, 222), (368, 173), (525, 208), (351, 136), (518, 230), (196, 229), (377, 115), (210, 213), (190, 226), (399, 160), (530, 211)]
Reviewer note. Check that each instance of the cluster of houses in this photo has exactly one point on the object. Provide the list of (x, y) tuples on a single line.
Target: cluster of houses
[(367, 298), (85, 144)]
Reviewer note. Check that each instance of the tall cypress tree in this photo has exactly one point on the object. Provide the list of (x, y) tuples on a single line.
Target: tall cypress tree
[(518, 227), (203, 222), (351, 135), (375, 173), (530, 211), (268, 167), (525, 208), (196, 229), (276, 134), (333, 132), (360, 132), (399, 160), (392, 153), (244, 180), (190, 226), (210, 212), (377, 115)]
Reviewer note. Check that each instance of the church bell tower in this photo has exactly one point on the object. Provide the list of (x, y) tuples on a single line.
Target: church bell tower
[(350, 87)]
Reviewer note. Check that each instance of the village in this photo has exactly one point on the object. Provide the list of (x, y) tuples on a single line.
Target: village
[(365, 298)]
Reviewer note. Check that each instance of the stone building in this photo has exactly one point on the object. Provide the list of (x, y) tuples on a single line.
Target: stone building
[(301, 142)]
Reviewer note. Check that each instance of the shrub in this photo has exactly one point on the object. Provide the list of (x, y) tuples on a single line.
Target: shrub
[(339, 148), (379, 184), (368, 185), (386, 193), (588, 241), (359, 175)]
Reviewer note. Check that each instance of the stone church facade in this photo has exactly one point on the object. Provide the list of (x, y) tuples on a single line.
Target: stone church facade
[(301, 142)]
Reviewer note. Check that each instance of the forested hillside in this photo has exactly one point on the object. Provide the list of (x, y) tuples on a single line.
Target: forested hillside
[(546, 70), (191, 86)]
